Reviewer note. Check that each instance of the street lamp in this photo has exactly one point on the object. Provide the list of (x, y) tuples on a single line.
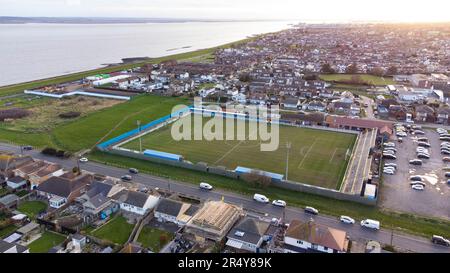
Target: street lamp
[(140, 137), (288, 147)]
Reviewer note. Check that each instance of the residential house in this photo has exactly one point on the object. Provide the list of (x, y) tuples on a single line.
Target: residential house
[(248, 235), (317, 106), (397, 112), (6, 247), (138, 202), (425, 113), (213, 221), (355, 123), (310, 236), (16, 182), (38, 171), (173, 211), (9, 201), (443, 115), (290, 103), (10, 162), (61, 190)]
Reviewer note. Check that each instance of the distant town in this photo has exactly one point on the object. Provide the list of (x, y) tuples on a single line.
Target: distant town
[(88, 165)]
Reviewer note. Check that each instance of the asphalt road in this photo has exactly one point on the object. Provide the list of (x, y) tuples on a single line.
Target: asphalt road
[(403, 241)]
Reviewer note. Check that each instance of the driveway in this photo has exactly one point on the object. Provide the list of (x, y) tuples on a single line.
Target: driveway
[(396, 192)]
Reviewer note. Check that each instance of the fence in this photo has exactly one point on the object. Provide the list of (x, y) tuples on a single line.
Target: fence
[(203, 167)]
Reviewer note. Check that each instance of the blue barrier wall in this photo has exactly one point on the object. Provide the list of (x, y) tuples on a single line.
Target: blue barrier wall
[(118, 139)]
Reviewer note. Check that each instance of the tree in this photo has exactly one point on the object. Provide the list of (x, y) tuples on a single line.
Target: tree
[(377, 71), (392, 70), (257, 180), (163, 239), (326, 68), (352, 69)]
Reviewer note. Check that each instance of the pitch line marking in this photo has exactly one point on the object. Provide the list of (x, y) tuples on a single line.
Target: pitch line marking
[(334, 153), (306, 155), (234, 148)]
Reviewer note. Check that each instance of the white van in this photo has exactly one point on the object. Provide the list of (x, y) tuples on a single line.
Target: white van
[(372, 224), (260, 198)]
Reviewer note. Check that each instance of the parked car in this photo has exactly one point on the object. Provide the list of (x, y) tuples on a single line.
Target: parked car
[(133, 170), (27, 148), (418, 187), (445, 152), (423, 156), (311, 210), (126, 178), (371, 224), (279, 203), (400, 140), (417, 183), (418, 132), (205, 186), (389, 144), (347, 220), (439, 240), (423, 139), (389, 156), (260, 198), (445, 138), (390, 149), (447, 174), (416, 162), (424, 144), (390, 165), (416, 178), (389, 172), (84, 160)]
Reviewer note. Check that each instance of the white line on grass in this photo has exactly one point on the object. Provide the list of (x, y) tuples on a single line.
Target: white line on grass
[(232, 149), (306, 155), (334, 153)]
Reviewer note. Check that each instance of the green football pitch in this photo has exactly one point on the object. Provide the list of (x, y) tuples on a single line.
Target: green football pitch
[(316, 157)]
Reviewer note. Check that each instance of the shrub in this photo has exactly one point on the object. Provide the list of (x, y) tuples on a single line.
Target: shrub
[(69, 115), (49, 151), (13, 113)]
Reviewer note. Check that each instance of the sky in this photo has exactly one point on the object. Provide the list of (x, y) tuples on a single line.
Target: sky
[(310, 10)]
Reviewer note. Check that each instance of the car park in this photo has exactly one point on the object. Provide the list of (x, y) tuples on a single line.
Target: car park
[(311, 210), (418, 187), (347, 220), (260, 198), (126, 178), (416, 178), (133, 170), (439, 240), (205, 186), (416, 162), (371, 224), (279, 203)]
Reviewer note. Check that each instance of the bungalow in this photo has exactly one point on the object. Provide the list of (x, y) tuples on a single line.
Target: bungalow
[(316, 106), (6, 247), (355, 124), (10, 162), (16, 182), (97, 201), (138, 202), (248, 235), (425, 113), (309, 236), (9, 201), (290, 103), (63, 189), (174, 211), (443, 115)]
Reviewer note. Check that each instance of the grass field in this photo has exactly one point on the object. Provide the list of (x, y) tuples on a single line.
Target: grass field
[(46, 242), (32, 208), (370, 79), (316, 157), (117, 230), (86, 131), (149, 238)]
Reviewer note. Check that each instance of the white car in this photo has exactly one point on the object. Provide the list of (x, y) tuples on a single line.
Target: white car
[(389, 144), (205, 186), (347, 220), (401, 134), (279, 203), (84, 160), (390, 165), (418, 187), (390, 168), (371, 224), (390, 172), (413, 183), (261, 198)]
